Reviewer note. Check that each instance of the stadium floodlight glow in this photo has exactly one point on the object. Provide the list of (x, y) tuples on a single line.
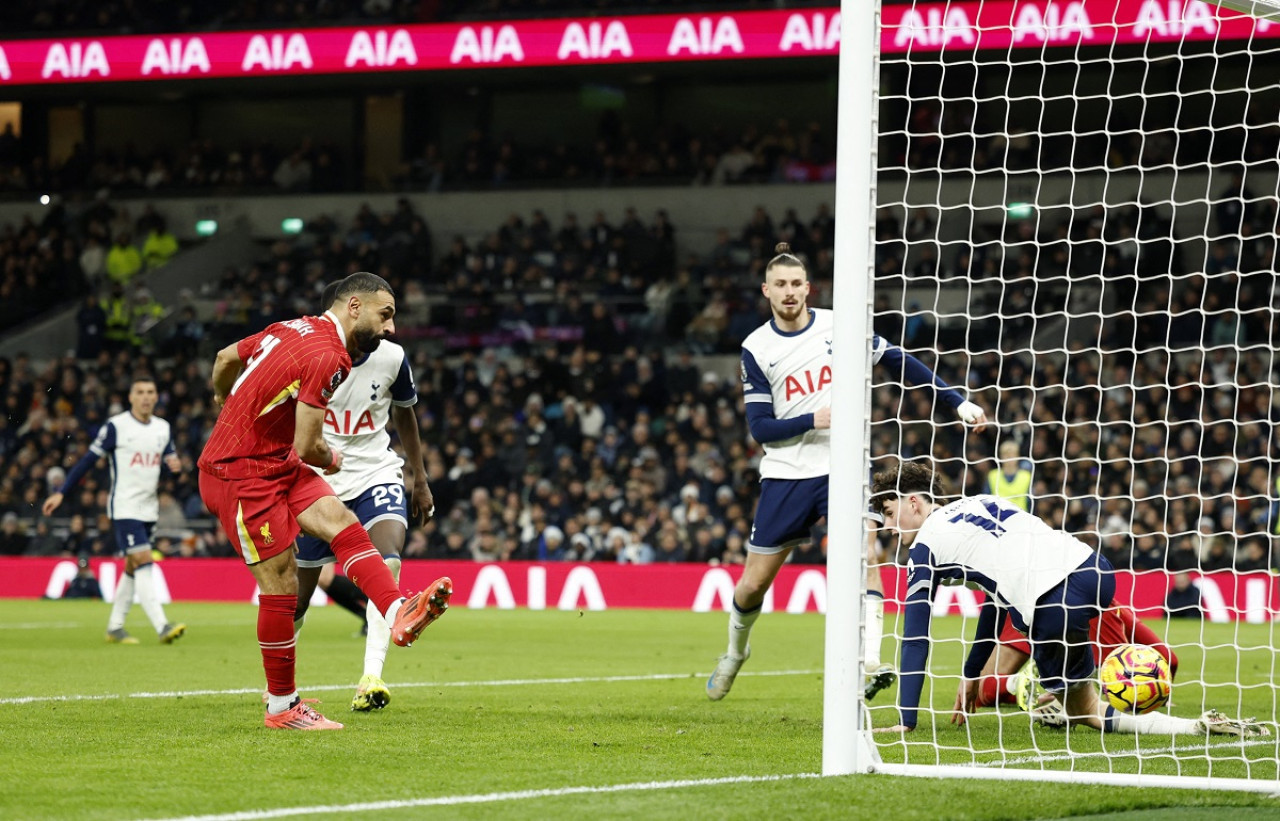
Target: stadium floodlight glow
[(206, 228), (44, 199), (291, 225)]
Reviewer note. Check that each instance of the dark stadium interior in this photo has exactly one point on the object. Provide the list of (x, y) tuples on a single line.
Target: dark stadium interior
[(578, 370)]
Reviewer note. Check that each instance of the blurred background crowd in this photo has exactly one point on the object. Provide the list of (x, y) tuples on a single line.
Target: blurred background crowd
[(577, 371)]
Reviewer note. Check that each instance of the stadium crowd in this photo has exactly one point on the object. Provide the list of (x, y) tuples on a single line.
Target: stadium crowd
[(575, 421), (619, 154)]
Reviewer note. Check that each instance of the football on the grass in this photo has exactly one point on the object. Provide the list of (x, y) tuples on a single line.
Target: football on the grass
[(1136, 679)]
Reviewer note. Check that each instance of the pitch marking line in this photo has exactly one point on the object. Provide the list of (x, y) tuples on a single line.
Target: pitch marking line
[(488, 798), (40, 625), (514, 682), (1185, 748)]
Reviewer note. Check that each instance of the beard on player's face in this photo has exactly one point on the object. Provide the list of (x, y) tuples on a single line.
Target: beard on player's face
[(367, 338)]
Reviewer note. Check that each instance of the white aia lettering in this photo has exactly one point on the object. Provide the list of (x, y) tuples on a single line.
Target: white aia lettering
[(381, 50), (277, 53), (486, 45), (707, 36), (816, 34), (5, 73), (75, 60), (1052, 23), (933, 28), (594, 42), (1174, 20), (176, 56), (718, 584)]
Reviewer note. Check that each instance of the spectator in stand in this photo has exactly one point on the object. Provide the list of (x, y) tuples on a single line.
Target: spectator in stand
[(1183, 600), (294, 172), (159, 246), (123, 260), (1011, 479), (13, 535), (91, 328)]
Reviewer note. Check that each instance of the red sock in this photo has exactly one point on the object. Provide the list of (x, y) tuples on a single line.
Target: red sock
[(362, 564), (988, 691), (275, 637), (994, 690)]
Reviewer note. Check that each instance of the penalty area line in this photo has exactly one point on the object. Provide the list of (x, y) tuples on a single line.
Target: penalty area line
[(488, 798), (513, 682)]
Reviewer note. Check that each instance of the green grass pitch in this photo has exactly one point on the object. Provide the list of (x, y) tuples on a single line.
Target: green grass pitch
[(518, 714)]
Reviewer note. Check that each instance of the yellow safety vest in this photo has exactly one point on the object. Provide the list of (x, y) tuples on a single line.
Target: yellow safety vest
[(1016, 490)]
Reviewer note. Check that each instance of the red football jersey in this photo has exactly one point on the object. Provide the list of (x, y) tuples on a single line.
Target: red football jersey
[(302, 360)]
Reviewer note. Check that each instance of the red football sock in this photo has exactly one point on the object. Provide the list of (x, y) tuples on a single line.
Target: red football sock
[(988, 691), (362, 564), (275, 637), (994, 690)]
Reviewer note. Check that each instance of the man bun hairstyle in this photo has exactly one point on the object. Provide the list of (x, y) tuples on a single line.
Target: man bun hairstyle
[(361, 282), (784, 257), (906, 479)]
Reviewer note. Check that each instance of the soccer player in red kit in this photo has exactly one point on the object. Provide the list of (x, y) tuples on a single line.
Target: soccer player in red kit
[(273, 388), (1002, 679)]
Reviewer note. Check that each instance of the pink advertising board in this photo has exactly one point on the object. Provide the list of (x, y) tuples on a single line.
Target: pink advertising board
[(661, 38)]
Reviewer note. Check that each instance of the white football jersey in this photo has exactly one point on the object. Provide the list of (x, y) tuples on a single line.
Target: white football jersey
[(356, 421), (986, 536), (792, 372), (135, 451)]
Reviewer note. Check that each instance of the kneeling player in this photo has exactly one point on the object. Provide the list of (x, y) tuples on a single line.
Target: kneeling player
[(1008, 678), (1050, 584)]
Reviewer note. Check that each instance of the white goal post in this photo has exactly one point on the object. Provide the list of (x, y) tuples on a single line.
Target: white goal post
[(1069, 210)]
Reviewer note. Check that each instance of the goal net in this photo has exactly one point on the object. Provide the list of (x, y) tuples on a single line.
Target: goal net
[(1077, 223)]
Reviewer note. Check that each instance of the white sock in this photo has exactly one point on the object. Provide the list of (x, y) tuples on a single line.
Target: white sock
[(874, 631), (1150, 724), (146, 583), (378, 640), (122, 602), (278, 704), (740, 629), (390, 615), (1011, 685)]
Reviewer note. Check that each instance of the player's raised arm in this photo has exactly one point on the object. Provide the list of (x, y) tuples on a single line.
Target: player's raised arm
[(227, 366), (915, 372)]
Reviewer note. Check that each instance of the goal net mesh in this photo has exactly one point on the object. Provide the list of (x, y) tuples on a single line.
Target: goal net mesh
[(1077, 224)]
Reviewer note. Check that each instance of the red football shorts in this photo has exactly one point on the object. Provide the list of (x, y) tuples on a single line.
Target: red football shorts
[(260, 516)]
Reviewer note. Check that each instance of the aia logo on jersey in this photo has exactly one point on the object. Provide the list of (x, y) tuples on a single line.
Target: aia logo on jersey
[(145, 460), (804, 384), (334, 382), (349, 424)]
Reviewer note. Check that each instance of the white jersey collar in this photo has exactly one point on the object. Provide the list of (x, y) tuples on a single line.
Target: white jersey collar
[(332, 317)]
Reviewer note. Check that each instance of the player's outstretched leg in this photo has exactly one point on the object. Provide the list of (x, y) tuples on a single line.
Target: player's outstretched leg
[(421, 610), (1215, 723)]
